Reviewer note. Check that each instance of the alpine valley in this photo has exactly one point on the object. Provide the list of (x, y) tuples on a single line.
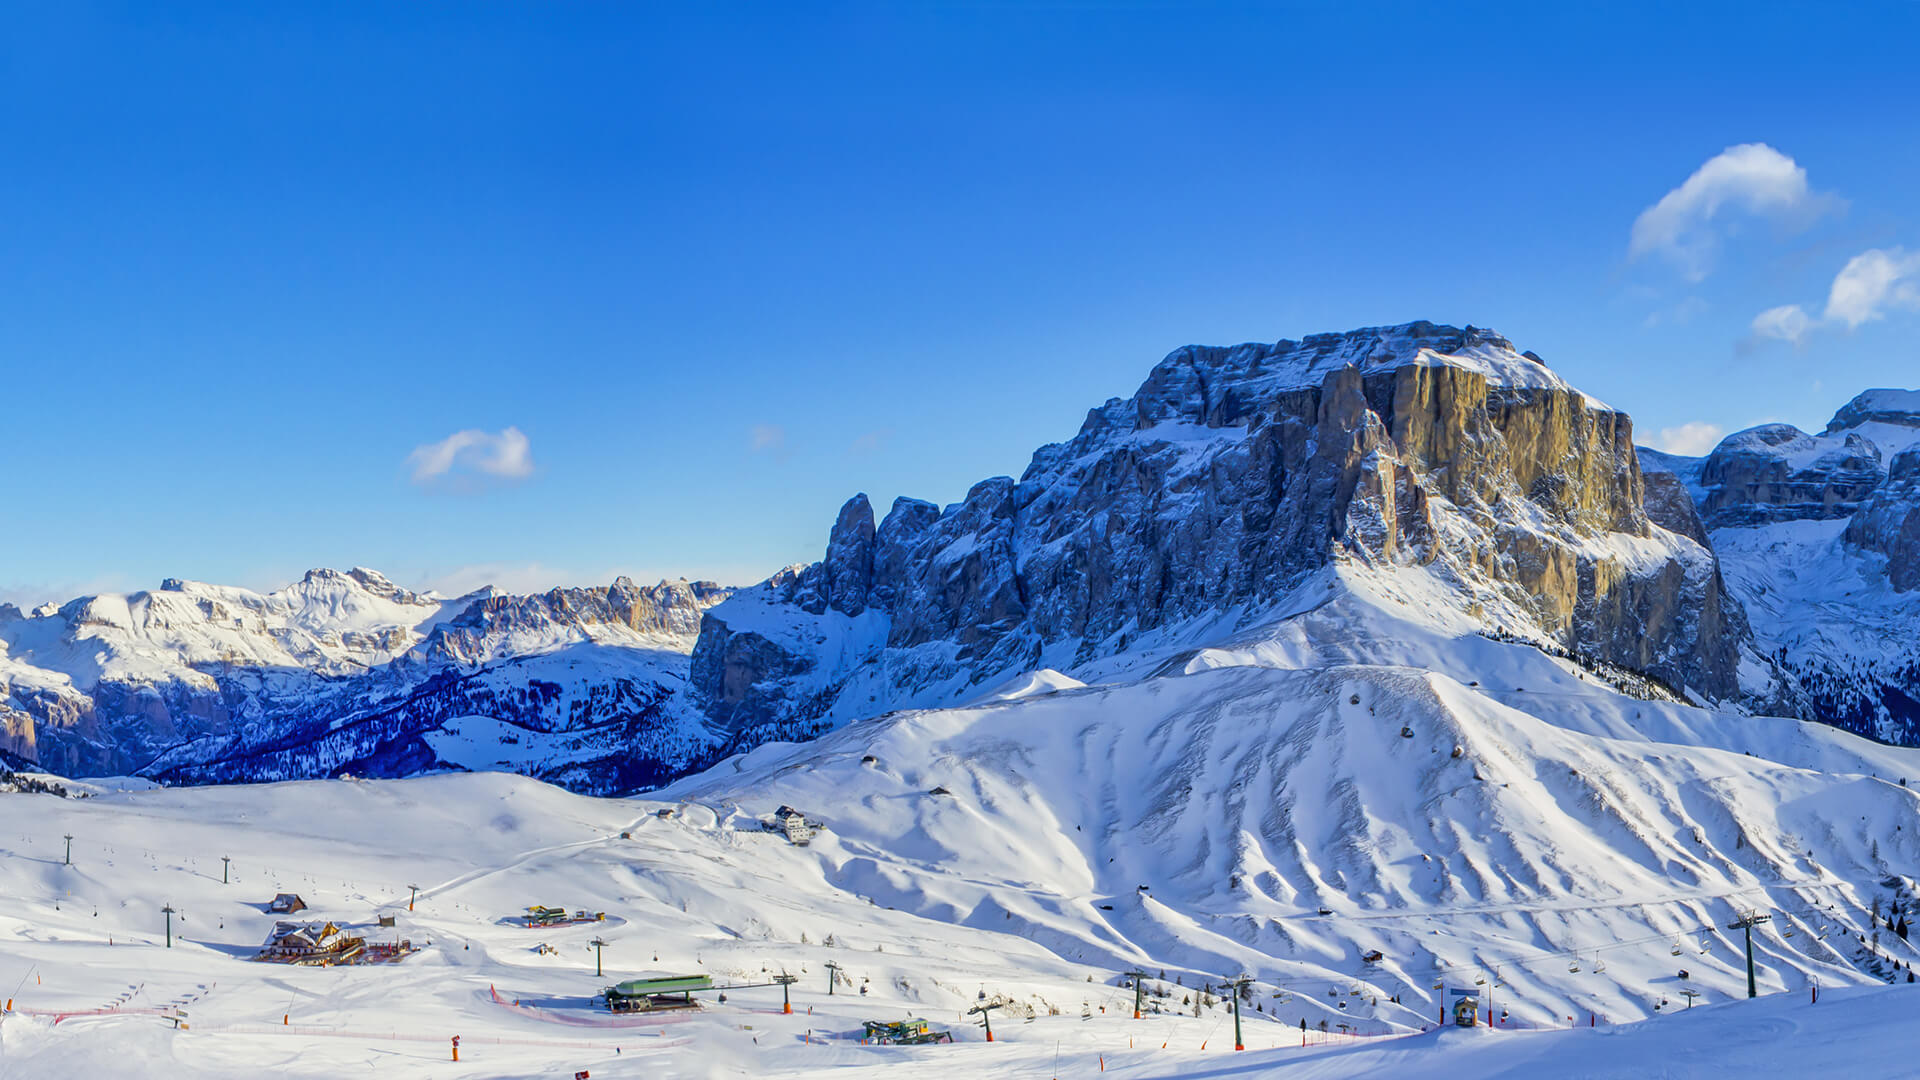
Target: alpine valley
[(1375, 669)]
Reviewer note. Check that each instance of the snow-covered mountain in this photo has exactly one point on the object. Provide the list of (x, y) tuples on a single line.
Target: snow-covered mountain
[(1365, 778), (1818, 536), (1375, 666), (1423, 462), (348, 672), (1438, 459)]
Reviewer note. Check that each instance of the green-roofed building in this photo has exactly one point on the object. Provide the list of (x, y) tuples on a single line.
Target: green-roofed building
[(659, 992)]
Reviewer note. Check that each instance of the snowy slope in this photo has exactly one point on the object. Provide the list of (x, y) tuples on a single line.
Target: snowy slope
[(1571, 847), (1248, 796)]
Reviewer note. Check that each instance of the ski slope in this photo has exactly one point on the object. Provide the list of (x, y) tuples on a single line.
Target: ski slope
[(1288, 803)]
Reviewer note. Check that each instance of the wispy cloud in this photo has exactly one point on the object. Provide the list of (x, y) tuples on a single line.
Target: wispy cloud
[(468, 459), (1678, 314), (1788, 322), (28, 595), (1691, 440), (768, 439), (1686, 225), (516, 578), (870, 443)]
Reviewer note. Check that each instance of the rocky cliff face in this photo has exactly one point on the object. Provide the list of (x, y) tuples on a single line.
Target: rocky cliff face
[(1819, 535), (1777, 472), (1889, 522), (345, 671), (1230, 475)]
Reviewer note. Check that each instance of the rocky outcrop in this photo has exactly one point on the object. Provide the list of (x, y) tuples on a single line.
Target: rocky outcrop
[(497, 627), (1669, 504), (1776, 472), (1897, 408), (1227, 477), (16, 733), (843, 579), (1889, 523)]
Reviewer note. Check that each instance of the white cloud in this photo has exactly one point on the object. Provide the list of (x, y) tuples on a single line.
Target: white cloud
[(1872, 282), (1691, 440), (1788, 322), (1870, 285), (1752, 177), (471, 455)]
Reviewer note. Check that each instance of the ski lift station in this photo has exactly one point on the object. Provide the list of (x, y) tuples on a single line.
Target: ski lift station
[(656, 993)]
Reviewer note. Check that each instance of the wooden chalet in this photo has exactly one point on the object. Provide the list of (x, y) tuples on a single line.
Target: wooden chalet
[(312, 944)]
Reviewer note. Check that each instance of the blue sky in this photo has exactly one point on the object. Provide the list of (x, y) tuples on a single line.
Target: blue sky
[(677, 281)]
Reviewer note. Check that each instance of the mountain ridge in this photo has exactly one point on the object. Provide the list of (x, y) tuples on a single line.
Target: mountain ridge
[(1418, 459)]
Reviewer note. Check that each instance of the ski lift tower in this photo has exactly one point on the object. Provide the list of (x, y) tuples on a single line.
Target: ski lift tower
[(784, 980), (833, 976), (1238, 986), (985, 1009), (1747, 921), (1139, 989)]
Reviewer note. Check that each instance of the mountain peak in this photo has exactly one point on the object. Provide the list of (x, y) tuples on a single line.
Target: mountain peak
[(1900, 408)]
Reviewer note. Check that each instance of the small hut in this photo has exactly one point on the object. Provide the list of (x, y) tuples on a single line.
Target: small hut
[(287, 903)]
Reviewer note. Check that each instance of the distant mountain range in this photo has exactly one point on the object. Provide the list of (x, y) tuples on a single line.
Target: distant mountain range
[(1430, 466)]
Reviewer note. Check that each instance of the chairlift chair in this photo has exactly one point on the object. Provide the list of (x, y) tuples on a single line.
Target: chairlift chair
[(1705, 945), (1599, 964), (1573, 965), (1676, 950)]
